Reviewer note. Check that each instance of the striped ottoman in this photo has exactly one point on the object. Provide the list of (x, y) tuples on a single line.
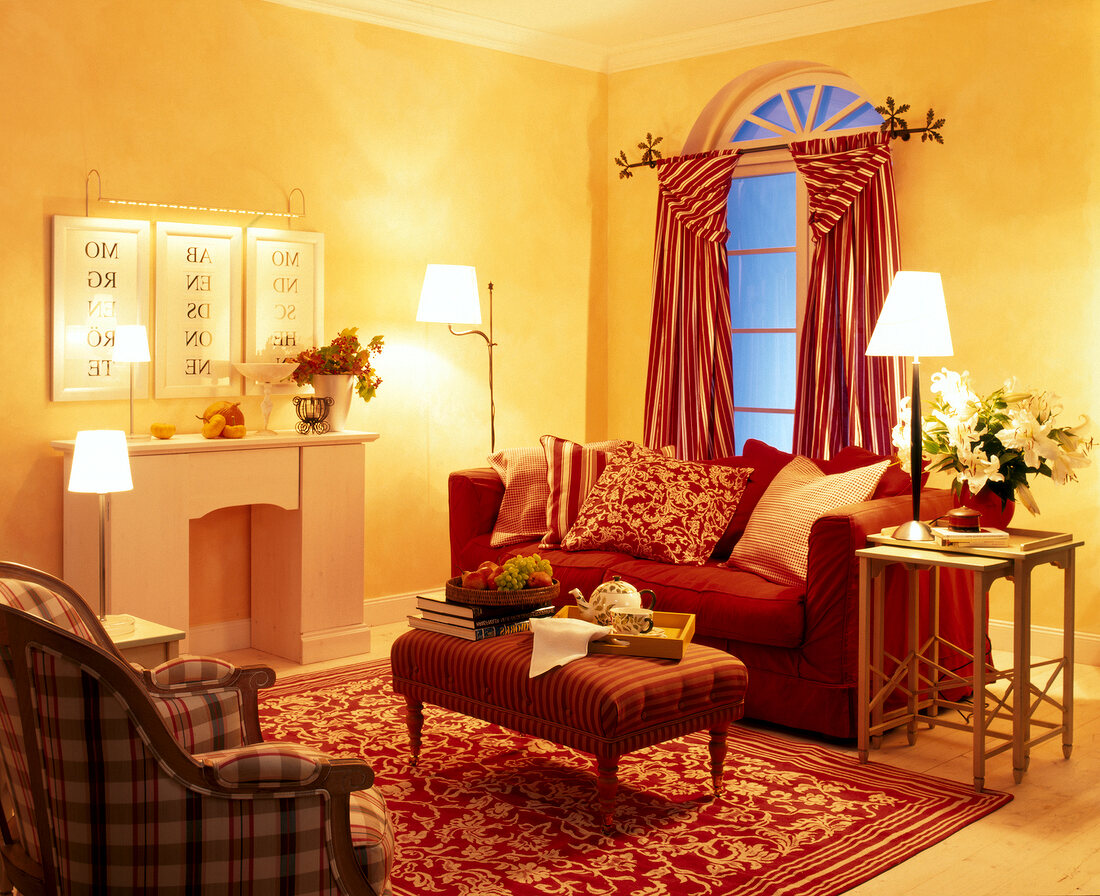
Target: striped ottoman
[(604, 705)]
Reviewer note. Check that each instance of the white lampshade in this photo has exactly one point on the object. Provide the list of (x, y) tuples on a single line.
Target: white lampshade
[(449, 295), (913, 322), (131, 343), (101, 462)]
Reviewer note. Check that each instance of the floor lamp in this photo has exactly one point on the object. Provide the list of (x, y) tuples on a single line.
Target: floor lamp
[(101, 465), (913, 322), (449, 296), (132, 347)]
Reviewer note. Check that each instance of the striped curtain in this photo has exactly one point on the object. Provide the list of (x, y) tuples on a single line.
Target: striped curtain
[(843, 397), (689, 384)]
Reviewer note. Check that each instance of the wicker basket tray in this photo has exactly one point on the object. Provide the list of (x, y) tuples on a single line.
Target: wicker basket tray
[(526, 597)]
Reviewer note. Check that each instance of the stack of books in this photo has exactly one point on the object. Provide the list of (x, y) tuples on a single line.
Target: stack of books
[(984, 537), (473, 622)]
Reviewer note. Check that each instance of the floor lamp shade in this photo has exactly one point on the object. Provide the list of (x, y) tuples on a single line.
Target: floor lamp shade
[(449, 295), (101, 462), (913, 322)]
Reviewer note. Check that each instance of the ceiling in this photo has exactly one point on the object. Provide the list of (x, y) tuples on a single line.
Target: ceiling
[(616, 35)]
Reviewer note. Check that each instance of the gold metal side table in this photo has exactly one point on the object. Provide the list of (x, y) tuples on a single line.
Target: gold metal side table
[(923, 681)]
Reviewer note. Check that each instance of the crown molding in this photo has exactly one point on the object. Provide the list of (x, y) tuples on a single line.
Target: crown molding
[(444, 24), (832, 15)]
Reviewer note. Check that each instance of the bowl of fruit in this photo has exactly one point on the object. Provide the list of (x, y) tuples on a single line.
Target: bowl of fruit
[(521, 582)]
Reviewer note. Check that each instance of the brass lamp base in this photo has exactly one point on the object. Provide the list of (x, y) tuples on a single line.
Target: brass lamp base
[(914, 530)]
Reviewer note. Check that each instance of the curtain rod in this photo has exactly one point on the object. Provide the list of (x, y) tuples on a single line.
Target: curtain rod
[(744, 151)]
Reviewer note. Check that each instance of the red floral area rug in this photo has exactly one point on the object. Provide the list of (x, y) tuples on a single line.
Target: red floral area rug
[(491, 813)]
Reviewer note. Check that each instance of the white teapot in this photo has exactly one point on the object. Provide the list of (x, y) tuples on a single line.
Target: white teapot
[(615, 593)]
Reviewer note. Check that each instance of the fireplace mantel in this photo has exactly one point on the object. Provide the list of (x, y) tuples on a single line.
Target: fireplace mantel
[(307, 528)]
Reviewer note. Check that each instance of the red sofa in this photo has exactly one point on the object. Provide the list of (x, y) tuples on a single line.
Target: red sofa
[(800, 643)]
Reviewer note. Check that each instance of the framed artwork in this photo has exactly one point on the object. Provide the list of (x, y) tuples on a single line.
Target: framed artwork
[(199, 319), (285, 287), (100, 281)]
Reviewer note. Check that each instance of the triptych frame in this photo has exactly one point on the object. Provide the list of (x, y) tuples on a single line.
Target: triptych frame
[(201, 322)]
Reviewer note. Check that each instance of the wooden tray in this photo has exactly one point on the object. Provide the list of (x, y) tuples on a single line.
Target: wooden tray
[(679, 630)]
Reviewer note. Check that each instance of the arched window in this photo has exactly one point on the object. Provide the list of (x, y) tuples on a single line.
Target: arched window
[(769, 244)]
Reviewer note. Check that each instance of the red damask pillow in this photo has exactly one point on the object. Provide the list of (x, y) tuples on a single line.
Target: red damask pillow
[(776, 544), (657, 507)]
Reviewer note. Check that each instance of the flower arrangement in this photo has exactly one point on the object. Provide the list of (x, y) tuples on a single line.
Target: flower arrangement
[(343, 355), (995, 442)]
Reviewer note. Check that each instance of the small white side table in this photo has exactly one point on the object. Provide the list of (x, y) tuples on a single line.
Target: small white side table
[(150, 643), (1026, 550)]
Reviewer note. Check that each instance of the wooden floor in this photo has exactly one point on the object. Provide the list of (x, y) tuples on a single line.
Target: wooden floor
[(1045, 842)]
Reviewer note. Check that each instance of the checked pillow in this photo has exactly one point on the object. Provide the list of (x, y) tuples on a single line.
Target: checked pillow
[(658, 508), (776, 543)]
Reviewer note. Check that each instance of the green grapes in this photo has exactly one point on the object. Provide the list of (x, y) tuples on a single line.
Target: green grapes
[(517, 570)]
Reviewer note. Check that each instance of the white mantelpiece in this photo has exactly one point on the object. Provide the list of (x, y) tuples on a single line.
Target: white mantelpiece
[(307, 530)]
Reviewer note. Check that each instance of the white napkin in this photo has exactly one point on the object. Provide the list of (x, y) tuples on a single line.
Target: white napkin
[(560, 641)]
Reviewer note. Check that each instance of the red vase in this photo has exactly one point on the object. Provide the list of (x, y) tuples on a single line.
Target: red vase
[(988, 505)]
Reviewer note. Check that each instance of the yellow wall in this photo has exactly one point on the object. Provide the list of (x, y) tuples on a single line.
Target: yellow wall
[(412, 150), (1007, 209), (409, 150)]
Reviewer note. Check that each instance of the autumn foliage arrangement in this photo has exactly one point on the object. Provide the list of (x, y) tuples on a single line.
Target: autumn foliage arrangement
[(344, 355)]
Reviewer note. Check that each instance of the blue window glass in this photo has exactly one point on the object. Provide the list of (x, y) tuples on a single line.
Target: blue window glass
[(764, 370), (762, 291), (863, 116), (801, 97), (833, 100), (775, 111), (776, 430), (761, 212), (750, 131)]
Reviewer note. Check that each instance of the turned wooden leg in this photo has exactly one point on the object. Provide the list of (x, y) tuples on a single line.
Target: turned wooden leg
[(607, 783), (414, 716), (717, 747)]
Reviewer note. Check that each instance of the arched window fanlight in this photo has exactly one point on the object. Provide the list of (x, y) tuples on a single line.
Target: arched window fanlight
[(806, 111)]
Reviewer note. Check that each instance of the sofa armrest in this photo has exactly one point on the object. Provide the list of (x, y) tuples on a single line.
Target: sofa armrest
[(832, 579), (473, 500)]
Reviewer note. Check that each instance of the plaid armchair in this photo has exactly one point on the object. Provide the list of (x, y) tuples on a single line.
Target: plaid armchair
[(122, 780)]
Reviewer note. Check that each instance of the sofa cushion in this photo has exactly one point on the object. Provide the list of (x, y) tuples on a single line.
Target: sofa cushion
[(571, 471), (522, 514), (895, 481), (765, 462), (728, 603), (657, 507), (776, 543)]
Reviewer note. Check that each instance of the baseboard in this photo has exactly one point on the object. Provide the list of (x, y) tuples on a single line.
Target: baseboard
[(392, 608), (1047, 642), (219, 637)]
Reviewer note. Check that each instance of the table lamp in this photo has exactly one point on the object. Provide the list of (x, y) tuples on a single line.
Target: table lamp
[(101, 465), (449, 296), (913, 322), (132, 347)]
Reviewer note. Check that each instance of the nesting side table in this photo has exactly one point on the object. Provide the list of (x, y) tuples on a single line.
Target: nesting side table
[(923, 681)]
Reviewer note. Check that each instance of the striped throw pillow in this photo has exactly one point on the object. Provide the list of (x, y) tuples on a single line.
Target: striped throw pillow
[(572, 470), (776, 543)]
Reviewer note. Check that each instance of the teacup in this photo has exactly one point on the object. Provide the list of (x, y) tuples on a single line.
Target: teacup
[(631, 620)]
